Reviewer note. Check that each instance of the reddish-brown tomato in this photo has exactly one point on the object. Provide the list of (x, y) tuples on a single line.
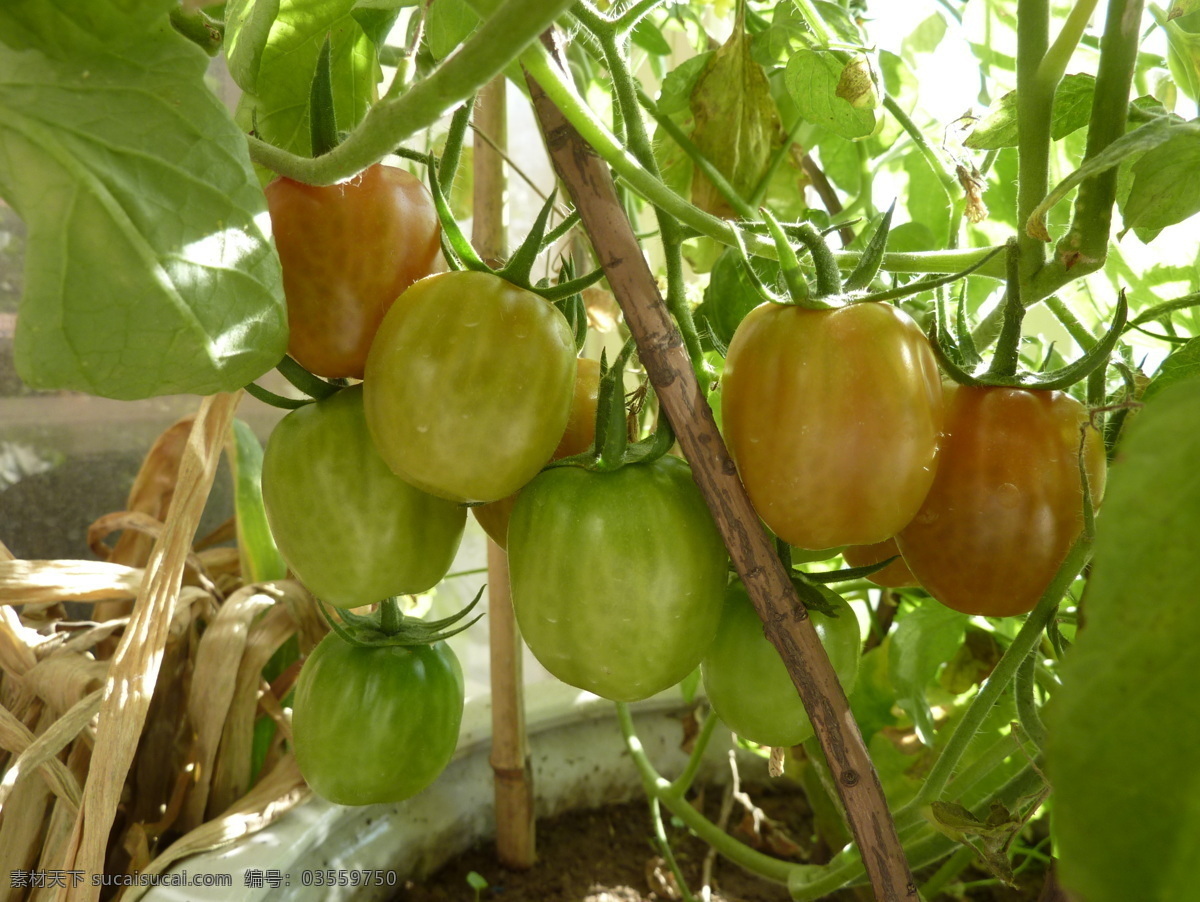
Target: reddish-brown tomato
[(895, 575), (348, 251), (1007, 503)]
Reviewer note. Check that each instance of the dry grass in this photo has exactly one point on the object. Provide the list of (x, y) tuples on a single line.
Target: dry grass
[(126, 738)]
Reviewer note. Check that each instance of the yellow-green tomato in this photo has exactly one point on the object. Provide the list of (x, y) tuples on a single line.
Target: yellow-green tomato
[(469, 385), (746, 680), (349, 528), (378, 724), (617, 577)]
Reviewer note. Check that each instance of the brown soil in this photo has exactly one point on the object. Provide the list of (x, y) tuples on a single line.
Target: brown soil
[(609, 855)]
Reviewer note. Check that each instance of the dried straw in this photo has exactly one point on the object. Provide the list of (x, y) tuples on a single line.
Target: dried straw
[(135, 665)]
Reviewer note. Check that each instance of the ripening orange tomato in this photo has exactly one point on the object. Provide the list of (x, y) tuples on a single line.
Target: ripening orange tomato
[(833, 418)]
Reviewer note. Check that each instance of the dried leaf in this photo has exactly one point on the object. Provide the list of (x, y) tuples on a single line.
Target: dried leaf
[(274, 795), (63, 679), (21, 824), (214, 680), (40, 752), (152, 491), (231, 776), (134, 670), (50, 582)]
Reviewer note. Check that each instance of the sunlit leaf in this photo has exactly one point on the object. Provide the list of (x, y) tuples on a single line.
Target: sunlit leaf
[(812, 80), (147, 270), (1166, 184)]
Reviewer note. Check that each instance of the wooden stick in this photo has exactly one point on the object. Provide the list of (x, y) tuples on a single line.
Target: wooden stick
[(515, 829), (787, 625)]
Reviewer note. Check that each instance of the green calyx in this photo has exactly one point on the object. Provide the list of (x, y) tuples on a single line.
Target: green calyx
[(461, 255), (611, 449), (960, 358), (389, 627)]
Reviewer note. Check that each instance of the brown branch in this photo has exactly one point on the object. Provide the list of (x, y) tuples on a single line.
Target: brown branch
[(787, 625)]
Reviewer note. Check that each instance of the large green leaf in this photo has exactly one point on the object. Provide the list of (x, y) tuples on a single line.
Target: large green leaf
[(147, 270), (278, 58), (1166, 184), (1125, 727)]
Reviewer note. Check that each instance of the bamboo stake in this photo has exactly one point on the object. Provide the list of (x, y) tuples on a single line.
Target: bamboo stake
[(787, 625), (515, 829)]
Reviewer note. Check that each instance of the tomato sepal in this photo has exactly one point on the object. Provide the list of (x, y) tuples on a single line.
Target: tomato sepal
[(375, 630)]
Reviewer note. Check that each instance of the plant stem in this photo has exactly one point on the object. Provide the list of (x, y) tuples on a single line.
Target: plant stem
[(1035, 101), (1000, 678), (1084, 248), (951, 868), (635, 14), (510, 26), (390, 616), (1027, 710), (658, 788), (1007, 356), (1058, 56), (626, 92), (683, 782), (576, 111)]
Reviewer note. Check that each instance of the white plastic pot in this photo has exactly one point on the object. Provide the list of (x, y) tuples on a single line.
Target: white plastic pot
[(579, 761)]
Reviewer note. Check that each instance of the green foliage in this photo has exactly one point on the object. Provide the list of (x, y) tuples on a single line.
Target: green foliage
[(812, 78), (925, 639), (278, 62), (1166, 184), (261, 560), (1124, 726), (142, 209)]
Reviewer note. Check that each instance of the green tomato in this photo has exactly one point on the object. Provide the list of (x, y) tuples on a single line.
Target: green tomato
[(379, 724), (469, 385), (349, 528), (746, 680), (617, 577)]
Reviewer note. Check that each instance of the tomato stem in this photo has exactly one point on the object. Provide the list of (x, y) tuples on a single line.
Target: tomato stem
[(1007, 356), (390, 616), (1018, 650)]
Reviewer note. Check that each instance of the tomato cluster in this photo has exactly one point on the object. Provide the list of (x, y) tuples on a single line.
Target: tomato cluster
[(469, 386), (835, 415)]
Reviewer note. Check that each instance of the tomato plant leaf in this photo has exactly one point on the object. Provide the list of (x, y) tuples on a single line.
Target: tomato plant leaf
[(1166, 184), (449, 23), (925, 38), (648, 36), (275, 101), (1181, 366), (1125, 725), (247, 27), (146, 270), (924, 638), (1183, 53), (1072, 109), (812, 79), (1142, 139), (736, 122)]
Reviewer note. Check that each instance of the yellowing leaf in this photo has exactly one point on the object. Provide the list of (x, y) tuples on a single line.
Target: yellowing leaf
[(736, 122)]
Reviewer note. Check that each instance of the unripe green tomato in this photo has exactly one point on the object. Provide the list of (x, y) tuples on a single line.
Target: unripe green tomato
[(617, 577), (746, 680), (469, 385), (352, 530), (373, 725)]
